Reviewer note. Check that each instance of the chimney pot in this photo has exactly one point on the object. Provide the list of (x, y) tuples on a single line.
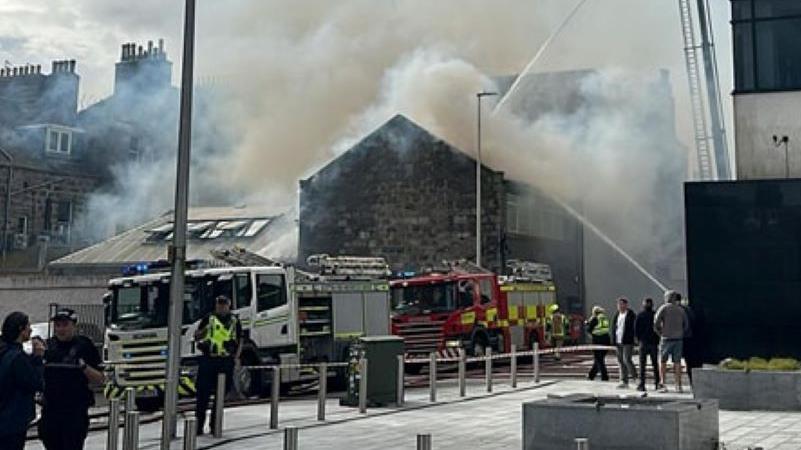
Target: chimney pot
[(15, 71), (2, 72), (149, 48), (72, 65), (38, 68), (161, 45), (141, 51)]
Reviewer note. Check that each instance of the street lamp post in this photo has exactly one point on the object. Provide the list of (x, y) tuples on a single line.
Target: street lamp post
[(778, 141), (479, 96), (177, 251)]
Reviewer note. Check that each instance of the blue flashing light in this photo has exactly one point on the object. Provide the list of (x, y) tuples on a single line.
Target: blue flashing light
[(127, 356)]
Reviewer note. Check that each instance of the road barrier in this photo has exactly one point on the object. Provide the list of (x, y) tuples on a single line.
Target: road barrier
[(112, 440), (432, 377), (219, 405), (423, 442), (190, 433), (275, 397), (401, 384), (130, 440), (290, 438), (322, 391), (582, 444), (363, 386)]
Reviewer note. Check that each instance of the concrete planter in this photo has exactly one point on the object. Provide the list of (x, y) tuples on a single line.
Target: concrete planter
[(755, 390), (612, 423)]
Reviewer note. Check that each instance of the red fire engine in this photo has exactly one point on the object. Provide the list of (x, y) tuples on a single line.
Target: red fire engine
[(462, 305)]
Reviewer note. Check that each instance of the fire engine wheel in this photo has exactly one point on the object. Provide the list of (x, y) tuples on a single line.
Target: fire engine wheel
[(249, 381)]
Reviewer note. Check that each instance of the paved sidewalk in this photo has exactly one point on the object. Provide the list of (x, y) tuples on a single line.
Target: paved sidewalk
[(482, 421)]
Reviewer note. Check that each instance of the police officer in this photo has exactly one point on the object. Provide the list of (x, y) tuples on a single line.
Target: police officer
[(72, 363), (598, 327), (219, 337)]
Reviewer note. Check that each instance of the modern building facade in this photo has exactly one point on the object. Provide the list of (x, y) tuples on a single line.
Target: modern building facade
[(767, 87)]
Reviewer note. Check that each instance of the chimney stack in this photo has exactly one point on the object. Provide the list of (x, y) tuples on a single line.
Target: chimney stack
[(141, 51), (149, 48), (161, 46), (72, 66)]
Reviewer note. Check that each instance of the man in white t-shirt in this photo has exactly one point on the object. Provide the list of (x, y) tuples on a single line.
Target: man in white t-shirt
[(622, 331)]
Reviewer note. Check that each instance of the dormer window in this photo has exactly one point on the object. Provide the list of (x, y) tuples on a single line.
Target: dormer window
[(58, 141)]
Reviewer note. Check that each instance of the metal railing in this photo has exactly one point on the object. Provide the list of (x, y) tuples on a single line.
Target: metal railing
[(131, 423)]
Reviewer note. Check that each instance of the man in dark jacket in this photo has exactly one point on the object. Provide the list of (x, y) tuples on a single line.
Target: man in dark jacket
[(622, 333), (72, 364), (692, 337), (20, 379), (649, 342)]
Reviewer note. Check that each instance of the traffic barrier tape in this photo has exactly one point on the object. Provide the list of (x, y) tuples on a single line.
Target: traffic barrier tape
[(575, 348)]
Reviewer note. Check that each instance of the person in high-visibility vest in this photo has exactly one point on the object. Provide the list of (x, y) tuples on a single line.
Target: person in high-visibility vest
[(598, 327), (218, 337), (558, 325)]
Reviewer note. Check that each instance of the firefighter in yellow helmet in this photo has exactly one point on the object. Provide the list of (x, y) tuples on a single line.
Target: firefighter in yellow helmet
[(598, 327), (218, 337), (558, 328)]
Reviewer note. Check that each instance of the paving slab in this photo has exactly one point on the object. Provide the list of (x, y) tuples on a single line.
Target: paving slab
[(481, 421)]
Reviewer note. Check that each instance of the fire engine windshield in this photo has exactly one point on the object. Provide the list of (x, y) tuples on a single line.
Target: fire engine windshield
[(146, 305), (424, 298)]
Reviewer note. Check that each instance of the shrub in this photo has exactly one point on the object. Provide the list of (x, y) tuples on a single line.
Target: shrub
[(761, 364)]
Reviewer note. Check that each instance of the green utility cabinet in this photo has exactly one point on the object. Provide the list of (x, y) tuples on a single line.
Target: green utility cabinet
[(382, 354)]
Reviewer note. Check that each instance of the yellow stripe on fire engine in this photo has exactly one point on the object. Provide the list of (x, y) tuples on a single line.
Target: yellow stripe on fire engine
[(512, 313), (492, 314), (531, 312), (468, 318)]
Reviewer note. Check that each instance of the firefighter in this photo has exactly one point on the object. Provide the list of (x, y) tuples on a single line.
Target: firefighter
[(219, 338), (598, 327), (558, 324)]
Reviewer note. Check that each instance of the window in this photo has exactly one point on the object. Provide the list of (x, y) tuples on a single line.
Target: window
[(414, 299), (271, 293), (243, 290), (485, 285), (22, 225), (767, 45), (59, 141)]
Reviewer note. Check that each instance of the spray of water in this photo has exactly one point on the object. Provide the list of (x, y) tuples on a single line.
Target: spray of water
[(539, 53), (610, 242)]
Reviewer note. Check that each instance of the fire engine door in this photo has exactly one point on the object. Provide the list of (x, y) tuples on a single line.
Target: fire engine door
[(271, 325)]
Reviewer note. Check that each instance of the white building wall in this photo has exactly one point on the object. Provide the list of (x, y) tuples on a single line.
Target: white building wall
[(759, 116)]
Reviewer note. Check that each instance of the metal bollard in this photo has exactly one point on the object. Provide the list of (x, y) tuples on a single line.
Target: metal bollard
[(219, 405), (275, 397), (130, 440), (423, 442), (363, 386), (401, 385), (130, 399), (488, 369), (290, 438), (432, 376), (322, 392), (536, 360), (513, 366), (462, 373), (112, 440), (190, 433), (582, 444)]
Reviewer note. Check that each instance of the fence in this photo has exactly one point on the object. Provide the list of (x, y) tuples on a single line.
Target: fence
[(291, 434)]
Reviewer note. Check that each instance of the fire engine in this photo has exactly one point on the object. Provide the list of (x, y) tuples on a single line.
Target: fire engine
[(465, 306), (288, 316)]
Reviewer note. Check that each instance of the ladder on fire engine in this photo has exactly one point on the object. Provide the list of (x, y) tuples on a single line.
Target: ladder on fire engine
[(350, 267), (703, 138), (238, 256)]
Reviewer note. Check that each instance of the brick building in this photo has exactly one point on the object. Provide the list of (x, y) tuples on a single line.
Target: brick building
[(406, 195)]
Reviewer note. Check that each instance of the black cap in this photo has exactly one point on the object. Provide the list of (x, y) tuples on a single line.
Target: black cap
[(223, 299), (65, 314)]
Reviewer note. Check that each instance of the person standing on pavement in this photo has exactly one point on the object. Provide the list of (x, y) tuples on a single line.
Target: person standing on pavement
[(20, 380), (691, 349), (622, 333), (558, 325), (219, 337), (649, 342), (671, 324), (598, 327), (72, 364)]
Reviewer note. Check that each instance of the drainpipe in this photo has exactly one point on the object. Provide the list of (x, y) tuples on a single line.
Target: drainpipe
[(8, 200)]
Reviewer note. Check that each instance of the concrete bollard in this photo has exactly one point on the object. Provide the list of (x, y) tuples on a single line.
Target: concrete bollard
[(275, 397), (290, 438), (488, 369), (190, 433), (322, 392), (582, 444), (401, 385), (432, 376), (363, 386), (513, 366), (130, 399), (219, 406), (462, 373), (130, 440), (423, 442), (536, 362)]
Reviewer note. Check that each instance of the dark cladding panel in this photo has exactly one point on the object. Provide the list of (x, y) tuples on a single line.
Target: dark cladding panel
[(744, 266)]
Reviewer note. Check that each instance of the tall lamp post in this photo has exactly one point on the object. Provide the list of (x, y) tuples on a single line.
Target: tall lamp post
[(177, 251), (777, 142), (479, 96)]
